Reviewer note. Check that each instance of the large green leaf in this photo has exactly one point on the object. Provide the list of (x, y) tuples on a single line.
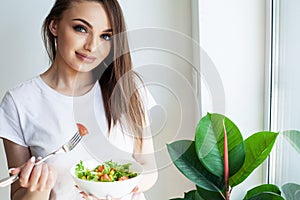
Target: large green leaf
[(262, 188), (291, 191), (258, 147), (293, 137), (209, 195), (183, 155), (266, 196), (191, 195), (209, 141)]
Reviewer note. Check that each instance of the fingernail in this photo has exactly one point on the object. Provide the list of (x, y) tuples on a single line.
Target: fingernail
[(11, 169), (32, 159), (39, 158), (77, 188)]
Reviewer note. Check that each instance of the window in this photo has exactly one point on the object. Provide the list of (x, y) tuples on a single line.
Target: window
[(283, 75)]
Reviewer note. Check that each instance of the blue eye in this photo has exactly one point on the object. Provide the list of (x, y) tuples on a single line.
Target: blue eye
[(80, 29), (106, 37)]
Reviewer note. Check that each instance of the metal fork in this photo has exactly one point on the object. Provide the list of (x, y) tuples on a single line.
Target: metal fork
[(68, 146), (64, 148)]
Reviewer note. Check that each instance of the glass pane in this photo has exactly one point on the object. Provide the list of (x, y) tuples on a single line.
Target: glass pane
[(287, 160)]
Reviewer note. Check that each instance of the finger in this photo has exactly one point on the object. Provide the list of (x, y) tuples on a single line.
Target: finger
[(91, 197), (42, 182), (136, 189), (38, 159), (14, 170), (52, 176), (87, 196), (84, 195), (26, 172), (34, 178), (78, 189)]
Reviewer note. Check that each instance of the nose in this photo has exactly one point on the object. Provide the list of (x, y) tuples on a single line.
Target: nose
[(91, 43)]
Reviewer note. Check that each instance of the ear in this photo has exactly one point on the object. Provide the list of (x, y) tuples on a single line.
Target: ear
[(53, 27)]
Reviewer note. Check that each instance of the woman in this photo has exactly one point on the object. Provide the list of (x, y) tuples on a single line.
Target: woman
[(89, 53)]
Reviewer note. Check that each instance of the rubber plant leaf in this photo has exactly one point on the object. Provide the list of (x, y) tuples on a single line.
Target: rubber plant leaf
[(209, 195), (191, 195), (262, 188), (266, 196), (258, 147), (209, 140), (183, 155), (291, 191), (293, 137)]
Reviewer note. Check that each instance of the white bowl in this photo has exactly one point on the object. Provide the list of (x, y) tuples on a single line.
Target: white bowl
[(115, 189)]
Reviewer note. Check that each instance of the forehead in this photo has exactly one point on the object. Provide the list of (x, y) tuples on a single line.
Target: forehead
[(92, 12)]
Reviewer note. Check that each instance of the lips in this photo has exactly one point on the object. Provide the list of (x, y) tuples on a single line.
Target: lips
[(85, 58)]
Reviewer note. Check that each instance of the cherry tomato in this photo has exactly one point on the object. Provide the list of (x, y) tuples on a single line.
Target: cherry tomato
[(105, 177)]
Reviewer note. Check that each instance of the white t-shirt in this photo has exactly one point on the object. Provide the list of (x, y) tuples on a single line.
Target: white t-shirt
[(36, 116)]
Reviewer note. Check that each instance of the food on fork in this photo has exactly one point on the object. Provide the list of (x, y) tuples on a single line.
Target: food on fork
[(82, 129)]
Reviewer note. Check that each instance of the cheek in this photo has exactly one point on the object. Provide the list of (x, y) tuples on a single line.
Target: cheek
[(63, 44), (103, 50), (67, 41), (107, 49)]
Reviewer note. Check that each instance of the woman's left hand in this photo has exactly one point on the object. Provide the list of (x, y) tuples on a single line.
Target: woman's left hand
[(92, 197)]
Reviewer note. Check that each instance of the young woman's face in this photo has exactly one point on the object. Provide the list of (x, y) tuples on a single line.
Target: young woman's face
[(83, 36)]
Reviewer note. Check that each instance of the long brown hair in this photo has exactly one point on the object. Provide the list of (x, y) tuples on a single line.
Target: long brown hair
[(122, 101)]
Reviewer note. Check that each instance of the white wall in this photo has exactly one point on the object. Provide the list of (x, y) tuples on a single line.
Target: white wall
[(22, 55), (232, 33)]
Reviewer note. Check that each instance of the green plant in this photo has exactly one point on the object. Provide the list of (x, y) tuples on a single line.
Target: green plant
[(219, 159)]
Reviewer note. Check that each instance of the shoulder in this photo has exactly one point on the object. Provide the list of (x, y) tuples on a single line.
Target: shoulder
[(23, 92), (25, 85), (25, 88)]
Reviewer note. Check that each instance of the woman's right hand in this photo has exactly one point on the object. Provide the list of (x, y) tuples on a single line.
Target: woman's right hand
[(41, 177)]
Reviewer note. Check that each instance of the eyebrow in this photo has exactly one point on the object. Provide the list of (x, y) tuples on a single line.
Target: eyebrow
[(89, 25)]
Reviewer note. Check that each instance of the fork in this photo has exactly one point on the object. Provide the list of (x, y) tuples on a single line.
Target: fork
[(68, 146)]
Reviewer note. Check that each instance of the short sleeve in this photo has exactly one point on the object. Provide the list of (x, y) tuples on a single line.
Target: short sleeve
[(147, 98), (10, 126), (148, 103)]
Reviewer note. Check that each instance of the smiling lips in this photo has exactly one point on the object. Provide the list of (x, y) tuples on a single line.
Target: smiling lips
[(85, 58)]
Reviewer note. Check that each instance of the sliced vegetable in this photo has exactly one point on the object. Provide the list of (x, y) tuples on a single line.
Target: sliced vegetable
[(82, 129)]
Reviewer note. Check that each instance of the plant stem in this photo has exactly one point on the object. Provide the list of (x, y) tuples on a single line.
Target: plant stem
[(226, 164)]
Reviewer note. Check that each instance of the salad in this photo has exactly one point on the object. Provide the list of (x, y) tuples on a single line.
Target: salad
[(106, 172)]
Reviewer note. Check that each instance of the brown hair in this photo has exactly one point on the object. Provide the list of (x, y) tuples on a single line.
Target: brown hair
[(122, 102)]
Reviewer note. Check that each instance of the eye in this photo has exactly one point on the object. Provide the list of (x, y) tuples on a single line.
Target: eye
[(80, 29), (106, 37)]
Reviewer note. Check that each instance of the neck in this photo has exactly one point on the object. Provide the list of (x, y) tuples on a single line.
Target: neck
[(68, 82)]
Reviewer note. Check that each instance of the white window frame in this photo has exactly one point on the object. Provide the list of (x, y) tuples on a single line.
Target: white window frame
[(281, 95)]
